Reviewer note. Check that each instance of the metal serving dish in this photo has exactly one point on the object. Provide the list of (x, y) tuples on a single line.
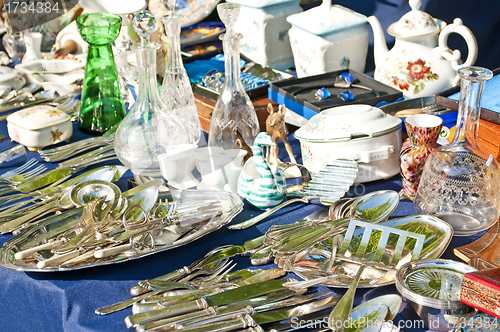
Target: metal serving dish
[(307, 263), (53, 228)]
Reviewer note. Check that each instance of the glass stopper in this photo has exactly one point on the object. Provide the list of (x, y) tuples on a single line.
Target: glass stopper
[(229, 13), (144, 23)]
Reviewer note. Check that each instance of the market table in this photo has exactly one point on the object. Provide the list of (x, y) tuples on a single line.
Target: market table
[(65, 301)]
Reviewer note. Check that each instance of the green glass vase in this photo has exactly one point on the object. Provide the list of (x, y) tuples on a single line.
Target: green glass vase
[(102, 104)]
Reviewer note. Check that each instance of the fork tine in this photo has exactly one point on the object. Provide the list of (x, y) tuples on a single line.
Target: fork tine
[(36, 171), (27, 165)]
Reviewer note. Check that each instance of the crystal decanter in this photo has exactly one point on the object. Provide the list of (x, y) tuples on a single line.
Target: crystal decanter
[(234, 111), (461, 182), (176, 91), (149, 127)]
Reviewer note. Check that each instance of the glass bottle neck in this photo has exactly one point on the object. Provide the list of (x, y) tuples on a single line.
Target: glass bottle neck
[(469, 111), (231, 45), (173, 30), (146, 61)]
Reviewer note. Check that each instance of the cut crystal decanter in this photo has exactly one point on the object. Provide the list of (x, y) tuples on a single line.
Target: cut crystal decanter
[(149, 127), (460, 182), (176, 90), (233, 111)]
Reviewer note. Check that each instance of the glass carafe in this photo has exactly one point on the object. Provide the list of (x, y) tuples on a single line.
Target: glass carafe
[(176, 90), (461, 183), (102, 104), (149, 127), (234, 111)]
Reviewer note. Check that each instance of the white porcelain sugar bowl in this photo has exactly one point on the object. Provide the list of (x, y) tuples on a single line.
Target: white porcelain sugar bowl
[(420, 63), (39, 126)]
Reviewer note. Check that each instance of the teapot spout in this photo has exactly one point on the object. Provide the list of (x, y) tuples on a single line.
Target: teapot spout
[(380, 49)]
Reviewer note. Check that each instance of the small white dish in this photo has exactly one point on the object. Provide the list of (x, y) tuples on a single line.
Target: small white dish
[(15, 84), (8, 74)]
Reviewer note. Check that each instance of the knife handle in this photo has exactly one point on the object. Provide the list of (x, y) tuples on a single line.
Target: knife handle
[(248, 310), (168, 324), (177, 274), (111, 251), (252, 221), (226, 326), (30, 251), (174, 310), (123, 304), (56, 259)]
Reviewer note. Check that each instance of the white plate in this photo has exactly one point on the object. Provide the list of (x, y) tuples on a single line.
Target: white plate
[(8, 74), (14, 84)]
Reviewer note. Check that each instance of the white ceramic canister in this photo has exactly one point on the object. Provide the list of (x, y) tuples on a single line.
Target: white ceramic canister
[(265, 31), (328, 38), (359, 132)]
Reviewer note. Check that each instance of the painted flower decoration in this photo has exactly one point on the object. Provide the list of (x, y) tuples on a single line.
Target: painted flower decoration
[(401, 84), (56, 135), (53, 112), (417, 70)]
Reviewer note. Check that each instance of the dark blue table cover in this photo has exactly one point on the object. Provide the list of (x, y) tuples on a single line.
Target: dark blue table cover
[(65, 301)]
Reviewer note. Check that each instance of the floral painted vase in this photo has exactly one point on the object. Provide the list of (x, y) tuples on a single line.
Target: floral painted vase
[(423, 133)]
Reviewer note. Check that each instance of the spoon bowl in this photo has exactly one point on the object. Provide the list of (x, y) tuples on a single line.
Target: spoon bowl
[(374, 207), (88, 191)]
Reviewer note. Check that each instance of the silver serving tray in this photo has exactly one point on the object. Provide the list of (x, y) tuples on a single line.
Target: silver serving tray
[(53, 226), (305, 263)]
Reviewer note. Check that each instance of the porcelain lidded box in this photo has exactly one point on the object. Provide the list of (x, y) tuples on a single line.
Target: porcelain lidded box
[(328, 38), (359, 132), (265, 31), (39, 126)]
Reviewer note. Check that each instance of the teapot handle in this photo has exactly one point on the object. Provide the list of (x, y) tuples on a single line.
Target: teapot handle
[(454, 57)]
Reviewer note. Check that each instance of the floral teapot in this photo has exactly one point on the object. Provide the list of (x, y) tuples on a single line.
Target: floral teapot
[(420, 63)]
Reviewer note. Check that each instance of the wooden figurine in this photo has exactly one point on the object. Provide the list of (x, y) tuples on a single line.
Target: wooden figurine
[(261, 184), (241, 144), (276, 128)]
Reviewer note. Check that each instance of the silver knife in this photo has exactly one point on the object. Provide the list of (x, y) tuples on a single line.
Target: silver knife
[(230, 296), (265, 317)]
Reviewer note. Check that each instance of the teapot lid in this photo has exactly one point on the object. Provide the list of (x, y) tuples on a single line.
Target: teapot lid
[(415, 23), (326, 18)]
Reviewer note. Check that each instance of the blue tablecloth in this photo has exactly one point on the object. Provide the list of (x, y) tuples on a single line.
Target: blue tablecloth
[(65, 301)]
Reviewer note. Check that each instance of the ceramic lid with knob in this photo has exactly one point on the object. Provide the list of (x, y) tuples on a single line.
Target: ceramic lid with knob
[(415, 23), (348, 122), (327, 18)]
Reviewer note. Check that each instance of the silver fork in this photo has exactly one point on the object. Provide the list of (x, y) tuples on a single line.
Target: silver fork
[(216, 276), (214, 269), (20, 170), (27, 175)]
